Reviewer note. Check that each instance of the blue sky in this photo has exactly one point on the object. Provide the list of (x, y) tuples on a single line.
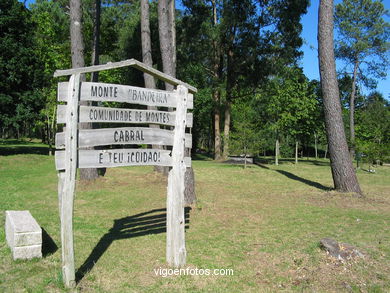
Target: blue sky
[(309, 61), (310, 58)]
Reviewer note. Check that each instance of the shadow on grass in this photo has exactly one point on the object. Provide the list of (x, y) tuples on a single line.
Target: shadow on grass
[(303, 180), (147, 223), (10, 147), (268, 161), (297, 178), (204, 156), (48, 244)]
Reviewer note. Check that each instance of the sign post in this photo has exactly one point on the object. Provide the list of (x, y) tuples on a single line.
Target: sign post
[(176, 248), (68, 183), (71, 158)]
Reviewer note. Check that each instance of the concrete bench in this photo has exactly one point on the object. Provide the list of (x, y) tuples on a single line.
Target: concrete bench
[(24, 235)]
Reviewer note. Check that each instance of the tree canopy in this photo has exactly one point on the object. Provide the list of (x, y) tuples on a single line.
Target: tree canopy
[(243, 56)]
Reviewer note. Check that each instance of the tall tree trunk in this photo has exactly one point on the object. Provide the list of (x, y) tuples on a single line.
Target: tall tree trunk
[(352, 111), (326, 151), (217, 73), (166, 45), (226, 130), (296, 152), (146, 44), (167, 34), (217, 130), (230, 81), (344, 176), (148, 60), (245, 156), (77, 52), (96, 39), (172, 33), (277, 151), (315, 146), (96, 53)]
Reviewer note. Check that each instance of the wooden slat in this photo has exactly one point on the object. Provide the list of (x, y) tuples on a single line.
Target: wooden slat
[(119, 157), (119, 115), (108, 92), (130, 62), (123, 135)]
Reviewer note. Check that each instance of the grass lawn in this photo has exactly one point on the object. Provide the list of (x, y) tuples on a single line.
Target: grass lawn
[(264, 223)]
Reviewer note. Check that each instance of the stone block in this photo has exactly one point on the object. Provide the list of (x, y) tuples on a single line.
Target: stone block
[(27, 252), (23, 234)]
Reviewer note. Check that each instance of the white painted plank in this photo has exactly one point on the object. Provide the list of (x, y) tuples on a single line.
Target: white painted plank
[(62, 91), (94, 68), (130, 62), (119, 157), (120, 115), (108, 92), (123, 135)]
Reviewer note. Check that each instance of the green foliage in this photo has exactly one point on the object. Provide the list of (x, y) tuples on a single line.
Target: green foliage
[(363, 37), (288, 104), (345, 89), (373, 128), (203, 128), (21, 74), (245, 138), (235, 51)]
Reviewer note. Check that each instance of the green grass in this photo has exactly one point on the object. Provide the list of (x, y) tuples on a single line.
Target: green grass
[(264, 222)]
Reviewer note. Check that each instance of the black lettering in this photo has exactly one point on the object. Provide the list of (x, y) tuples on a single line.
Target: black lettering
[(147, 116), (101, 114), (93, 91)]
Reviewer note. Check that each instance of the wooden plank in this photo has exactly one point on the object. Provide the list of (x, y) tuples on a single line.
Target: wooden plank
[(69, 183), (62, 91), (94, 68), (176, 249), (123, 135), (109, 92), (130, 62), (119, 158), (119, 115)]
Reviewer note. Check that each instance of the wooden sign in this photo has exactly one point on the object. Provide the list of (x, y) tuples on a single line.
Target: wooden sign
[(119, 115), (119, 158), (106, 92), (124, 135), (72, 140)]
